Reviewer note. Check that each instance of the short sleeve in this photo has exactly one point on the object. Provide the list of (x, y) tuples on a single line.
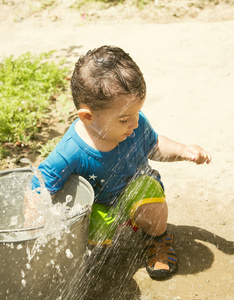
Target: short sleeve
[(149, 134), (55, 172)]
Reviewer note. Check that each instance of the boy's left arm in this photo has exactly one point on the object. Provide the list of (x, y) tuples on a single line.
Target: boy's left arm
[(169, 151)]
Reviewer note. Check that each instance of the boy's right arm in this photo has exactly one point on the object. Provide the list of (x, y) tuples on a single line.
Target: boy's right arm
[(168, 150)]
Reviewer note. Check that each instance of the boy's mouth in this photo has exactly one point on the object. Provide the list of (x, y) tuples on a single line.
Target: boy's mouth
[(131, 134), (128, 134)]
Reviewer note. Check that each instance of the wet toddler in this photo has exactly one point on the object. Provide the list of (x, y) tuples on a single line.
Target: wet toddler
[(110, 144)]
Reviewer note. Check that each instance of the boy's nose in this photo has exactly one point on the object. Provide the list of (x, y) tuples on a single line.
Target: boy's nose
[(135, 120)]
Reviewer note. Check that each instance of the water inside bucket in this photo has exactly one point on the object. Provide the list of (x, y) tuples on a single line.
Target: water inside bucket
[(73, 201), (12, 199), (12, 207)]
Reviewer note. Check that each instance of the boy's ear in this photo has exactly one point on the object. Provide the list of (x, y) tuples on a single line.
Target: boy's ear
[(85, 115)]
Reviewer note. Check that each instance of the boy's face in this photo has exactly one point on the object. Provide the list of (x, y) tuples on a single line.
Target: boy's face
[(116, 123)]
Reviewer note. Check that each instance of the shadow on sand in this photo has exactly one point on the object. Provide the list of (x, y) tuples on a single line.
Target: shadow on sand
[(111, 276)]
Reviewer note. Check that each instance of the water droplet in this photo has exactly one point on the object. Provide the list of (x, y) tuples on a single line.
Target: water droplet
[(23, 281), (13, 220), (19, 247), (68, 199), (69, 253)]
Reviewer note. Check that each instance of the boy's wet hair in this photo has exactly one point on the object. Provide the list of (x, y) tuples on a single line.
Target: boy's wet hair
[(104, 74)]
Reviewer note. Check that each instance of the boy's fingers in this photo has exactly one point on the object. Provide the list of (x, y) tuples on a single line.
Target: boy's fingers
[(198, 155), (201, 157), (204, 157), (209, 158)]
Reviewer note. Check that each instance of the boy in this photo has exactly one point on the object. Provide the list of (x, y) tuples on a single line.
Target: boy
[(109, 145)]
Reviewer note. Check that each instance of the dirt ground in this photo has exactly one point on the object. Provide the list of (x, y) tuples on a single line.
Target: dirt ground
[(186, 52)]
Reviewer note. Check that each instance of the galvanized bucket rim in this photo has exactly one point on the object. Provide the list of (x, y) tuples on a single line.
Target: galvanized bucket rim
[(5, 172)]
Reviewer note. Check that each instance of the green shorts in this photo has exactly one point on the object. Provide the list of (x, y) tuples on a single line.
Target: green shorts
[(104, 220)]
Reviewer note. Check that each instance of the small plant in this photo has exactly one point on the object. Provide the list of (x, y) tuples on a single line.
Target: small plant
[(3, 153), (102, 4), (26, 85), (47, 3), (34, 147), (97, 3), (49, 147), (142, 3)]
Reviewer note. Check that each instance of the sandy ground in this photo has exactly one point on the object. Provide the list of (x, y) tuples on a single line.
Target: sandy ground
[(189, 69)]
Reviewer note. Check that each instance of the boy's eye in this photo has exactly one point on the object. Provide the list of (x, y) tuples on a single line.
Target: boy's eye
[(123, 121)]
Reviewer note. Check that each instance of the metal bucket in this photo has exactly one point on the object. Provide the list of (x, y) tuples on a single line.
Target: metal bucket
[(56, 269)]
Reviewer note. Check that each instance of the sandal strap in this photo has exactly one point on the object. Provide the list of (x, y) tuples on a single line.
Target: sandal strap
[(160, 253), (165, 240), (162, 258), (154, 250)]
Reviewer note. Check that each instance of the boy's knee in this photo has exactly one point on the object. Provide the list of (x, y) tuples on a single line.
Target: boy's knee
[(152, 217), (154, 211)]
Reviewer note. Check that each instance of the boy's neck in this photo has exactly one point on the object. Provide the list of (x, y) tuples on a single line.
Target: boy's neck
[(92, 139)]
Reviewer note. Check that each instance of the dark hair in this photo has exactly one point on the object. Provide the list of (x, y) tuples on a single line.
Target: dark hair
[(103, 74)]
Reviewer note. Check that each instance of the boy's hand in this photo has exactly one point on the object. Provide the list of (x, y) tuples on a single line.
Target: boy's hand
[(31, 215), (197, 154)]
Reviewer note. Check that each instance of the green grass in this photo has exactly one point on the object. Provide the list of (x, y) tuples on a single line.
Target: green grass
[(4, 153), (105, 3), (26, 85), (46, 149)]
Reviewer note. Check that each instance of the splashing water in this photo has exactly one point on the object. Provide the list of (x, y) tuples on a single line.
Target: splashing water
[(53, 216), (43, 243)]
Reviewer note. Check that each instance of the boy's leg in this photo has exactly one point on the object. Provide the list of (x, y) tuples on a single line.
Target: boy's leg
[(152, 218), (148, 210), (103, 224), (104, 220), (102, 227), (144, 201)]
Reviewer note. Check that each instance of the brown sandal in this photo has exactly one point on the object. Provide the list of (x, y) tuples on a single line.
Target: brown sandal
[(161, 261)]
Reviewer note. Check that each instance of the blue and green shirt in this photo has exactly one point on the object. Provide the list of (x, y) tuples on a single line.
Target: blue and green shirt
[(107, 172)]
